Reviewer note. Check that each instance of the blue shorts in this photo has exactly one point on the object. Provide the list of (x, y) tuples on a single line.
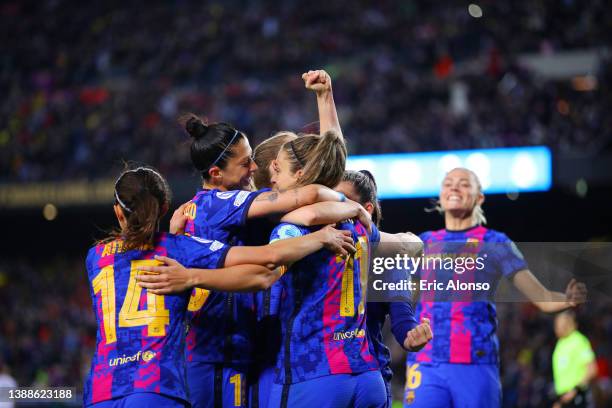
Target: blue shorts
[(141, 400), (389, 393), (216, 385), (332, 391), (261, 388), (452, 385)]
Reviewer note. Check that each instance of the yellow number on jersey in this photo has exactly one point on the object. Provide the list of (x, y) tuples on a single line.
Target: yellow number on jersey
[(197, 299), (155, 316), (190, 211), (104, 282), (413, 376), (237, 381), (347, 295), (364, 258)]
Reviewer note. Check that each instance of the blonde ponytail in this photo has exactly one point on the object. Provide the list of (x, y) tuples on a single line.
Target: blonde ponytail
[(322, 159)]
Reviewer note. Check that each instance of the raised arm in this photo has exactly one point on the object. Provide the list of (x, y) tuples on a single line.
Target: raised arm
[(329, 213), (546, 300), (275, 202), (319, 81)]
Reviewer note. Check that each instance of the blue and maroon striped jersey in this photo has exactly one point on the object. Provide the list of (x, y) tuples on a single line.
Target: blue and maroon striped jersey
[(141, 336), (221, 324), (465, 331), (322, 310)]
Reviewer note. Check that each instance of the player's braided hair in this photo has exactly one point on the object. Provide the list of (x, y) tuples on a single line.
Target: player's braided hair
[(144, 196), (212, 143), (365, 186), (267, 151), (321, 158)]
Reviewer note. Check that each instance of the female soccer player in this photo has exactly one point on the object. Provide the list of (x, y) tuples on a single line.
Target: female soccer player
[(324, 358), (139, 359), (460, 366), (360, 186), (220, 340)]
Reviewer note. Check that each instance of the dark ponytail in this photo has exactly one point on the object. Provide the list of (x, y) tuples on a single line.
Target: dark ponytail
[(211, 144), (365, 186), (143, 195)]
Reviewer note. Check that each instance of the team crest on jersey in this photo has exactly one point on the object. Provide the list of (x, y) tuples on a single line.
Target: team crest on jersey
[(225, 195), (240, 198), (409, 397), (148, 356), (289, 231)]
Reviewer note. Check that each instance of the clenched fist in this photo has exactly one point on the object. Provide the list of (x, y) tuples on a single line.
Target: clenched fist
[(418, 337), (318, 81)]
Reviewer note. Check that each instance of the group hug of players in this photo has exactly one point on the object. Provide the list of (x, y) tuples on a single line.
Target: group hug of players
[(255, 297)]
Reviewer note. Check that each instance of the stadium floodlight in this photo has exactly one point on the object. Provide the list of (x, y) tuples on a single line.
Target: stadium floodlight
[(504, 170)]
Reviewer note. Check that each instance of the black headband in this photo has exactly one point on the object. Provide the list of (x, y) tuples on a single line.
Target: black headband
[(295, 155)]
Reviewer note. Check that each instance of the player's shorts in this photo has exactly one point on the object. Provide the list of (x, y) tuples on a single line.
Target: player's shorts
[(216, 385), (389, 393), (434, 385), (332, 391), (142, 400), (260, 390)]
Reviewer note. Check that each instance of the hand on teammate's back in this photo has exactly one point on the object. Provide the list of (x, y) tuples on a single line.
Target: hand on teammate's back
[(318, 81), (363, 216), (172, 277), (179, 219), (576, 293), (337, 241), (418, 337)]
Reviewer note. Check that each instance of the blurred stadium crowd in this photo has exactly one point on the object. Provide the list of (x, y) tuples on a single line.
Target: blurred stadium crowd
[(88, 83), (47, 321)]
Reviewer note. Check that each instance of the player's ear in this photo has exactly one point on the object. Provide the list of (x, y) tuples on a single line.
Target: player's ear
[(215, 175), (120, 216), (299, 174), (369, 207), (480, 199)]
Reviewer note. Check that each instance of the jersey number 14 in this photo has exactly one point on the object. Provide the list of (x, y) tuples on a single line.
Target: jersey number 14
[(155, 316)]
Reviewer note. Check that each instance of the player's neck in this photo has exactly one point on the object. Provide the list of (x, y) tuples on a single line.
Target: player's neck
[(457, 223), (209, 186)]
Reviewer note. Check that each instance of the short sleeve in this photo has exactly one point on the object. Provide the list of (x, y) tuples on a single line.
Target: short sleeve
[(586, 354), (375, 235), (508, 256), (231, 208), (195, 252), (89, 260)]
